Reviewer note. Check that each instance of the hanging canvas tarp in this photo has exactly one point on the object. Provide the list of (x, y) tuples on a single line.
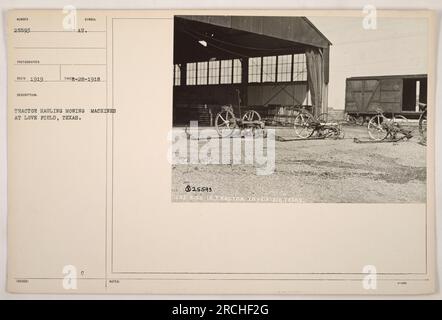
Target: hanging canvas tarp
[(315, 78)]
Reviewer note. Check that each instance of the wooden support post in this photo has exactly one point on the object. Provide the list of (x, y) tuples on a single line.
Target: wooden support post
[(244, 79), (183, 69)]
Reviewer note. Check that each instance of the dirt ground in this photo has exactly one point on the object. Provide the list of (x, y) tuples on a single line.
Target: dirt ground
[(314, 171)]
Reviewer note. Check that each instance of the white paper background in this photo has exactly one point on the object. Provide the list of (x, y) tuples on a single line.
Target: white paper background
[(195, 4)]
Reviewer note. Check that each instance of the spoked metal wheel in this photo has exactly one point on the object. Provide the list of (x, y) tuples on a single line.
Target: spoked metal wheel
[(225, 123), (423, 125), (251, 115), (304, 125), (377, 128)]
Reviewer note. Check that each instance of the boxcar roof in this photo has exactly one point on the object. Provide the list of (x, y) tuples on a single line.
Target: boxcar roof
[(402, 76)]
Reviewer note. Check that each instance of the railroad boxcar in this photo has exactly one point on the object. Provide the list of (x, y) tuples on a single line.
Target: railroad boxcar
[(395, 94)]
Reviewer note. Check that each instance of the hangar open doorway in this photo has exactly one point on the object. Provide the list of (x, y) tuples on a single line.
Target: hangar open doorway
[(263, 63)]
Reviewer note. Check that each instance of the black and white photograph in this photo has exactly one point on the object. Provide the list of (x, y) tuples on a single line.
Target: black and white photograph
[(320, 109)]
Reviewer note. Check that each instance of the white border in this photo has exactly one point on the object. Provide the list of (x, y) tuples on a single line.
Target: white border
[(206, 4)]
